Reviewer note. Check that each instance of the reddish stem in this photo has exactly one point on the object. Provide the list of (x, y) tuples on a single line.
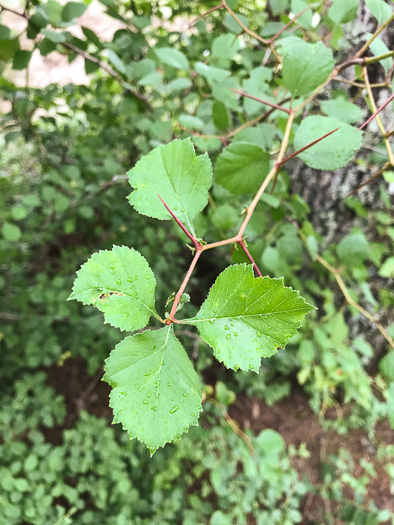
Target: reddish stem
[(249, 256), (377, 112), (289, 157), (193, 22), (197, 245), (266, 102), (183, 286), (283, 29)]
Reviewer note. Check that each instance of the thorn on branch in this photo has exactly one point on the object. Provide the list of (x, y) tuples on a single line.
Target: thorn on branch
[(197, 245), (289, 157), (377, 112)]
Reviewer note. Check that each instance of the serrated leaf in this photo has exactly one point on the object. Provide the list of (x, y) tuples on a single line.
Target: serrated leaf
[(246, 318), (120, 284), (156, 394), (333, 152), (380, 10), (305, 66), (341, 12), (341, 109), (180, 177), (241, 168), (172, 57)]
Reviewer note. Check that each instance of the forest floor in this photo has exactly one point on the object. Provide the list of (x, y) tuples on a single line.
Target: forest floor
[(292, 418)]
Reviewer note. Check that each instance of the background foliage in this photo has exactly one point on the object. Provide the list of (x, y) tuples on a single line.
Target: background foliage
[(64, 151)]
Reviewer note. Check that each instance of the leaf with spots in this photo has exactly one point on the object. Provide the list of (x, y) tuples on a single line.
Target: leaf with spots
[(246, 318), (175, 173), (156, 393), (120, 284)]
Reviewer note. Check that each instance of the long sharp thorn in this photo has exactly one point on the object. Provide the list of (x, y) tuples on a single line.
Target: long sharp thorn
[(185, 230), (377, 112)]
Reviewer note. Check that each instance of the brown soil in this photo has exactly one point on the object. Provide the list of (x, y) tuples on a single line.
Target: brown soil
[(297, 423), (291, 417)]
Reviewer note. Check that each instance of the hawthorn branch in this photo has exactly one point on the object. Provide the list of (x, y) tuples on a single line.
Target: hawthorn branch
[(215, 8), (257, 99), (246, 29), (375, 35)]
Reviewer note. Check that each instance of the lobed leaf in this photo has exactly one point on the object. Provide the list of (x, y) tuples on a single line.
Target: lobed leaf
[(241, 167), (180, 177), (305, 66), (333, 152), (156, 393), (120, 284), (246, 318)]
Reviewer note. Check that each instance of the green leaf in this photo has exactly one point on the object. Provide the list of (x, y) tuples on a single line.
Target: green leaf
[(304, 20), (380, 10), (55, 36), (386, 366), (241, 168), (190, 121), (246, 318), (11, 232), (116, 61), (353, 249), (225, 46), (21, 60), (73, 10), (214, 74), (341, 12), (341, 109), (172, 57), (8, 48), (180, 177), (156, 394), (378, 47), (278, 6), (220, 115), (387, 268), (261, 135), (179, 84), (232, 25), (332, 152), (390, 404), (256, 85), (5, 33), (120, 284), (305, 66)]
